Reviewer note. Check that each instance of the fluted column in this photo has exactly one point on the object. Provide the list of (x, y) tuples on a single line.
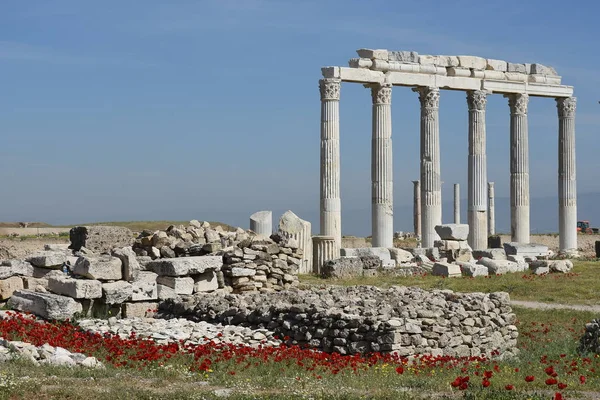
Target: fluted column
[(324, 249), (477, 201), (456, 203), (491, 210), (261, 223), (417, 209), (431, 184), (331, 210), (381, 167), (519, 168), (567, 187)]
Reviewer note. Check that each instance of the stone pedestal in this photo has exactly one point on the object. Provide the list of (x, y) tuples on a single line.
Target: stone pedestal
[(382, 211), (331, 210), (567, 187), (477, 199), (431, 185), (324, 249), (417, 209), (262, 223), (519, 168), (456, 203), (491, 210), (292, 226)]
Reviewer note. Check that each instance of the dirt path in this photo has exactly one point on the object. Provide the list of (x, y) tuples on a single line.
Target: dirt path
[(554, 306)]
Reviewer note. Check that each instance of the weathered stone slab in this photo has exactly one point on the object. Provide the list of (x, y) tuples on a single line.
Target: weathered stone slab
[(35, 284), (130, 265), (562, 266), (181, 285), (543, 70), (9, 286), (496, 65), (117, 292), (403, 56), (10, 268), (45, 305), (57, 247), (539, 267), (206, 282), (100, 239), (401, 256), (446, 269), (373, 54), (522, 264), (238, 272), (498, 267), (144, 288), (165, 292), (473, 62), (383, 253), (453, 231), (471, 269), (494, 254), (520, 68), (185, 265), (139, 310), (343, 267), (39, 272), (105, 268), (75, 288), (525, 249), (48, 259)]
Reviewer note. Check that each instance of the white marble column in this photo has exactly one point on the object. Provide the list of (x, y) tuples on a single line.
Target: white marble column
[(567, 187), (324, 249), (261, 223), (491, 210), (431, 184), (519, 168), (456, 203), (382, 211), (417, 209), (477, 199), (331, 210)]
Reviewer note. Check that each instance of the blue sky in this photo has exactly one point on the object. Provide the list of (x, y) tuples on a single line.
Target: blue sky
[(209, 109)]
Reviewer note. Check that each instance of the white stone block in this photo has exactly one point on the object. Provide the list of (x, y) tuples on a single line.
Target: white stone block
[(207, 282), (360, 63), (404, 56), (103, 268), (183, 266), (117, 292), (10, 268), (496, 65), (382, 252), (48, 259), (401, 256), (165, 292), (9, 285), (139, 310), (458, 71), (428, 69), (144, 288), (331, 72), (446, 269), (471, 269), (448, 61), (543, 70), (496, 75), (32, 283), (130, 265), (475, 73), (181, 285), (562, 266), (516, 76), (425, 59), (45, 305), (472, 62), (380, 54), (525, 249), (513, 67), (361, 75), (76, 288), (237, 272), (452, 231), (498, 267)]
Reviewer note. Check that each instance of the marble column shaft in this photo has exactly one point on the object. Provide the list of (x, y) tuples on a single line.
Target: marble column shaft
[(477, 199), (491, 210), (417, 208), (382, 211), (567, 184), (519, 168), (261, 223), (331, 210), (456, 203), (431, 185), (324, 249)]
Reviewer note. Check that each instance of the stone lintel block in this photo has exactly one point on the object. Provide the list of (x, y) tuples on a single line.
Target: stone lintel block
[(446, 269), (48, 259), (494, 75), (404, 56), (45, 305), (181, 285), (144, 288), (452, 231), (360, 63), (516, 76), (514, 67), (75, 288), (139, 310), (526, 249), (543, 70), (478, 63), (117, 292), (383, 253), (9, 285), (183, 266), (103, 268), (458, 71), (380, 54), (496, 65)]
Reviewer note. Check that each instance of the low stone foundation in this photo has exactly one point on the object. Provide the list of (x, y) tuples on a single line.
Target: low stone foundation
[(364, 319)]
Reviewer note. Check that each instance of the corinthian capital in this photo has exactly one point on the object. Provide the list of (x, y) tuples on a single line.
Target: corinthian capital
[(476, 100), (518, 103), (330, 89), (566, 107), (428, 96), (381, 93)]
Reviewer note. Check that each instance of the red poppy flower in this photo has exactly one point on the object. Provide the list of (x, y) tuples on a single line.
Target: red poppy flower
[(551, 381), (485, 383), (582, 379), (509, 387), (529, 378), (561, 385), (400, 370)]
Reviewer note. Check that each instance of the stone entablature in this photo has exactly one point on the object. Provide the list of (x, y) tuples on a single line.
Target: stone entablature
[(408, 68)]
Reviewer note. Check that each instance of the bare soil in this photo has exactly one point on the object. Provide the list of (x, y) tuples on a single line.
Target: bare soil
[(23, 247)]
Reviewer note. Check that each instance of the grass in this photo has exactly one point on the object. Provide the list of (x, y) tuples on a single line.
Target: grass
[(578, 287), (550, 336)]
